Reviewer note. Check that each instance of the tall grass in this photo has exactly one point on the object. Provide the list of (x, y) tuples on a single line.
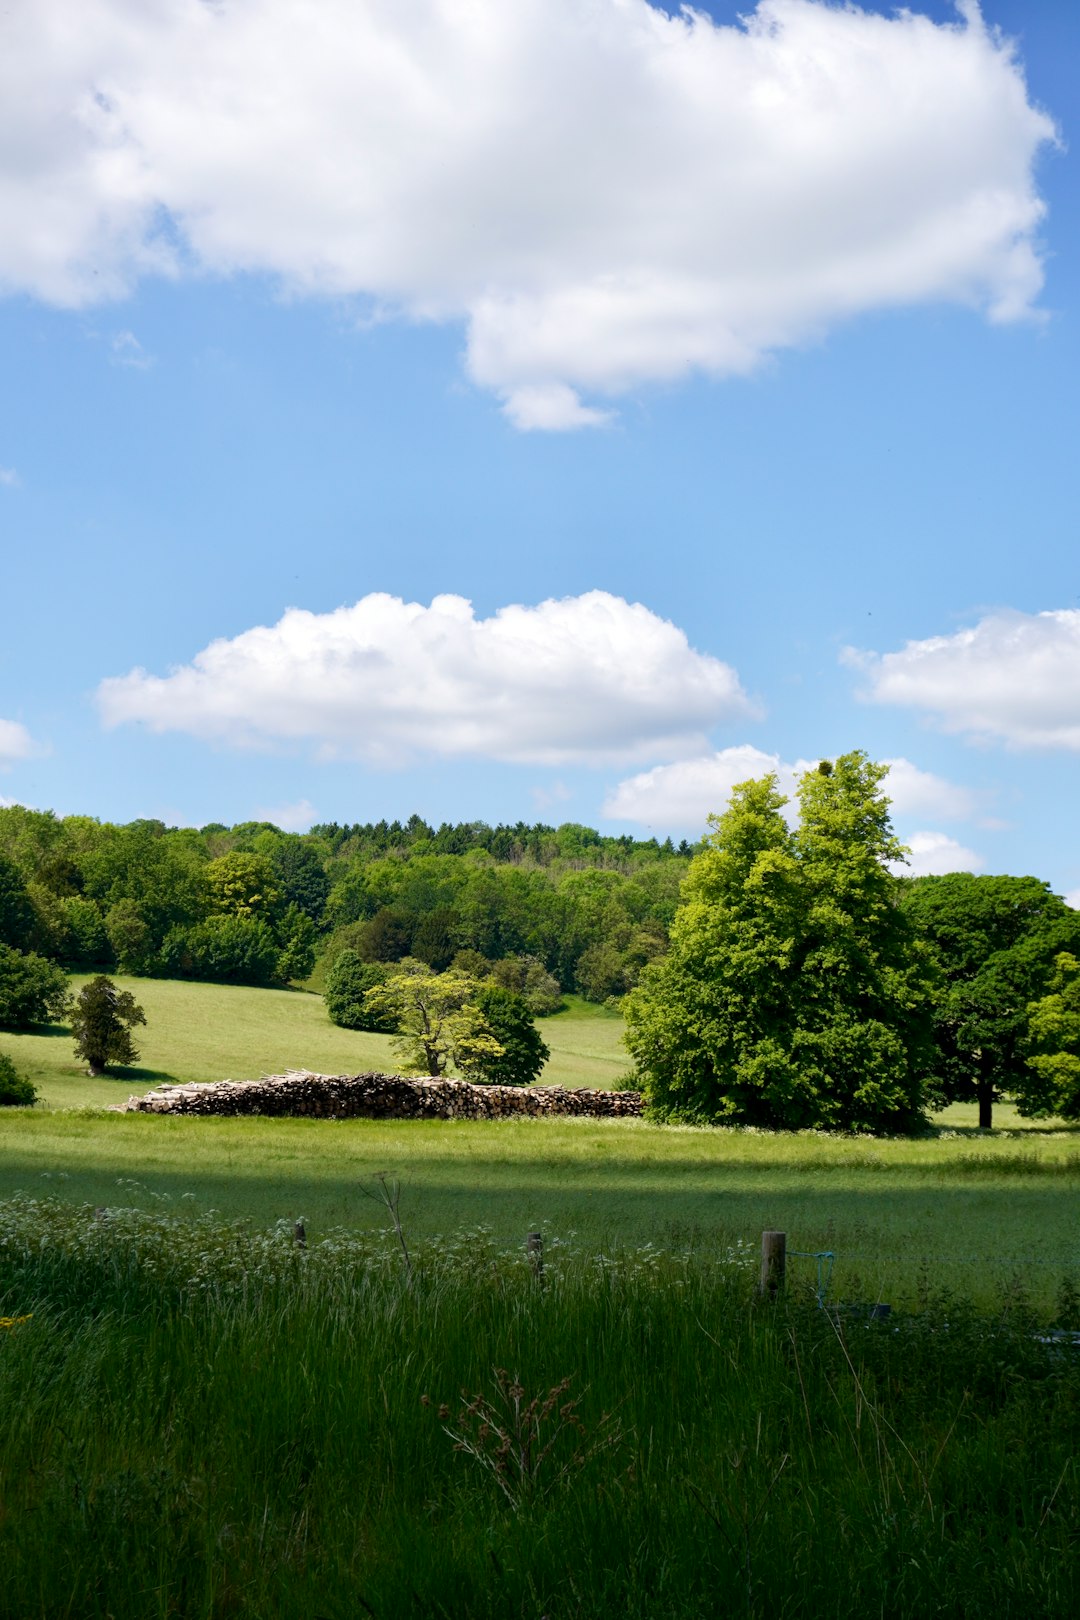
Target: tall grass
[(201, 1421)]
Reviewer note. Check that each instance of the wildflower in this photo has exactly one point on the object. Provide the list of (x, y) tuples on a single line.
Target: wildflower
[(13, 1321)]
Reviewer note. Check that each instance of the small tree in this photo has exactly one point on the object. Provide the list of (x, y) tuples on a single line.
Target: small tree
[(524, 1050), (101, 1023), (438, 1021), (348, 981), (1052, 1083)]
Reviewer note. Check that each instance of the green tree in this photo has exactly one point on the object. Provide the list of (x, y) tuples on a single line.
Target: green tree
[(996, 940), (348, 980), (32, 990), (16, 1091), (243, 885), (16, 911), (524, 1051), (102, 1021), (439, 1023), (224, 950), (795, 993), (1052, 1083)]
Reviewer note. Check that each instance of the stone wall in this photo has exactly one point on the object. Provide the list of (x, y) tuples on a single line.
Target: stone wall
[(380, 1096)]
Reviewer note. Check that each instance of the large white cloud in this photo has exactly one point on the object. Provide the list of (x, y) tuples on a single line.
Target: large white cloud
[(585, 679), (603, 193), (16, 743), (1014, 677), (683, 794)]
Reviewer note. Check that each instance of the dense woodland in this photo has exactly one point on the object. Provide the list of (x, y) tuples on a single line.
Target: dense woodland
[(252, 904)]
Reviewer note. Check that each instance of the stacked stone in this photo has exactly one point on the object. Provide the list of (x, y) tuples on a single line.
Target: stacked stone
[(380, 1096)]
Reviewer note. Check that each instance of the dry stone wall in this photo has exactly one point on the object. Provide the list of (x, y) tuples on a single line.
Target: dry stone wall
[(380, 1096)]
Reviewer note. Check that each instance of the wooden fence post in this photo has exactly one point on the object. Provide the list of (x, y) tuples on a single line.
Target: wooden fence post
[(534, 1248), (299, 1235), (773, 1263)]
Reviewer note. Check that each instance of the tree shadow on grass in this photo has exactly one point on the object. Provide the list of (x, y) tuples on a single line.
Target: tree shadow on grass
[(129, 1076)]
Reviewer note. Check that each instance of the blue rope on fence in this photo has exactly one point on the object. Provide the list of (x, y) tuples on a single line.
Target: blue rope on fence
[(824, 1258)]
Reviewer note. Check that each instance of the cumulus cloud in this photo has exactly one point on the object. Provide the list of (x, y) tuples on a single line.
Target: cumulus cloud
[(585, 678), (933, 853), (683, 794), (1073, 899), (16, 743), (604, 194), (1013, 677)]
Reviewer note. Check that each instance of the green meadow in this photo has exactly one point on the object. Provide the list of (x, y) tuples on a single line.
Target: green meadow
[(971, 1210)]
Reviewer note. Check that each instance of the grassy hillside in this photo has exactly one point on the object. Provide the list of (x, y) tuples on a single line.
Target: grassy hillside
[(220, 1032)]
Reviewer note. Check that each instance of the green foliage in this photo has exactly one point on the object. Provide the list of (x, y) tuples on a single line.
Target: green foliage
[(224, 949), (523, 1049), (996, 940), (439, 1024), (348, 981), (525, 975), (795, 994), (32, 990), (296, 936), (243, 885), (16, 912), (1053, 1047), (102, 1019), (16, 1091)]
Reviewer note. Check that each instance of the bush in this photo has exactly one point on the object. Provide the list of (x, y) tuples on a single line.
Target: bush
[(32, 990), (101, 1022), (347, 984), (530, 979), (16, 1091)]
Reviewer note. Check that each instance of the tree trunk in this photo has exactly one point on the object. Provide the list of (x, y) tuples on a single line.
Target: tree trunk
[(986, 1105)]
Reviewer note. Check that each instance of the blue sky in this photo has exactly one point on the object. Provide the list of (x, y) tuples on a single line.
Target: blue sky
[(728, 371)]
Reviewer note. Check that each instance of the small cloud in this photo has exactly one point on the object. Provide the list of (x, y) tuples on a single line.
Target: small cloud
[(296, 817), (552, 408), (9, 478), (935, 853), (16, 744), (1073, 899), (126, 350), (544, 798)]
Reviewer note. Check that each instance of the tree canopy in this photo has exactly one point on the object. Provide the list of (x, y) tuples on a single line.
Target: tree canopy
[(795, 993)]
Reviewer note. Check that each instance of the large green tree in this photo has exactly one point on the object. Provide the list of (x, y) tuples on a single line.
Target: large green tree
[(997, 940), (795, 993), (439, 1024)]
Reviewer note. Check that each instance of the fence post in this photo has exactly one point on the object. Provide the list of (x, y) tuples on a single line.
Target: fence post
[(299, 1235), (534, 1248), (773, 1263)]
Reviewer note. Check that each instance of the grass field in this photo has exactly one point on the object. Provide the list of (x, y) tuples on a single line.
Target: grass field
[(222, 1032), (974, 1210)]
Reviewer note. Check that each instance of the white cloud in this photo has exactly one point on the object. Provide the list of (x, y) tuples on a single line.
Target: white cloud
[(602, 193), (1013, 677), (16, 743), (9, 478), (296, 817), (586, 679), (933, 853), (1073, 899), (683, 794), (126, 350)]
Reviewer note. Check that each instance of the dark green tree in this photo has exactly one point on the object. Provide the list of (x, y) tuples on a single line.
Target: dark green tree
[(224, 950), (524, 1050), (996, 940), (102, 1021), (795, 993), (16, 911), (16, 1091), (32, 990), (348, 980)]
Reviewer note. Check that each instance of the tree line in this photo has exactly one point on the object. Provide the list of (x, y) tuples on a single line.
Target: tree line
[(251, 904)]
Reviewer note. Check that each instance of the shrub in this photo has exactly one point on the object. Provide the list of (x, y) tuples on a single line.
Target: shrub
[(32, 990), (16, 1091)]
